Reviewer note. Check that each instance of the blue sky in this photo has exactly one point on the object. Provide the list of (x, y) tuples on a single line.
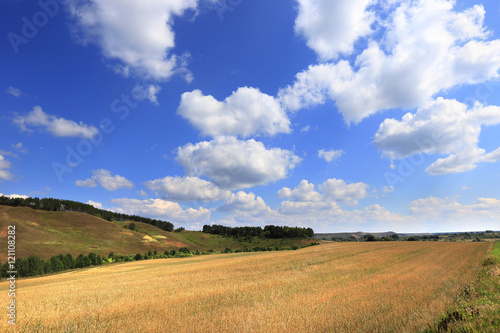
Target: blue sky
[(340, 116)]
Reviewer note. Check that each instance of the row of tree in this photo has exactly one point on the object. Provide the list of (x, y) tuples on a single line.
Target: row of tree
[(51, 204), (269, 231), (33, 265)]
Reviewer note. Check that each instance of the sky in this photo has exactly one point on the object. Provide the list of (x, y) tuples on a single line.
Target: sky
[(342, 116)]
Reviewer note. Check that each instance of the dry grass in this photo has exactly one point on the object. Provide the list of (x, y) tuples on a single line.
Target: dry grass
[(339, 287)]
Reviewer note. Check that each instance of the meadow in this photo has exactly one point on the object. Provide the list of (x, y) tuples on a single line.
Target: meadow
[(336, 287)]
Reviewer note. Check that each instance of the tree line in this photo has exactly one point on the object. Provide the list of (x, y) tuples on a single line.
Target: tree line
[(33, 265), (269, 231), (51, 204)]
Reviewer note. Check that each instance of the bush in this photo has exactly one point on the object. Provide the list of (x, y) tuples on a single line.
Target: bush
[(295, 247), (138, 256), (490, 261), (180, 229), (184, 250), (228, 250)]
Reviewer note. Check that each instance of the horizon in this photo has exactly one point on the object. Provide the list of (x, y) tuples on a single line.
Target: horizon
[(371, 115)]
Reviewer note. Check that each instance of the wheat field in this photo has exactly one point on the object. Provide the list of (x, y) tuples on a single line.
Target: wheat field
[(337, 287)]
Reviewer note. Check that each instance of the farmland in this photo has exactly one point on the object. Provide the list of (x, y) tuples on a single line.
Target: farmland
[(351, 287)]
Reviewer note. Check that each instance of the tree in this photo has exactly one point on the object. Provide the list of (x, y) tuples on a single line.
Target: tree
[(132, 226), (370, 238), (93, 258), (68, 261), (82, 261), (35, 265), (57, 264), (138, 256)]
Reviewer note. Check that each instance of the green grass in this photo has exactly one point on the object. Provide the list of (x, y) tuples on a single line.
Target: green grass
[(477, 307), (496, 250)]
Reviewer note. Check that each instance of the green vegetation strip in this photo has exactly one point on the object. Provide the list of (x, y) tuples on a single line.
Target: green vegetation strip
[(477, 307)]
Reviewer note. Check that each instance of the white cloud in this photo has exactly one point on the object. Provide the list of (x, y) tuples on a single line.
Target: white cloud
[(305, 128), (86, 183), (332, 27), (17, 146), (138, 35), (244, 202), (330, 155), (246, 112), (105, 179), (187, 189), (14, 92), (161, 209), (97, 205), (56, 126), (431, 208), (235, 164), (148, 91), (332, 191), (5, 174), (426, 48), (13, 196), (441, 127)]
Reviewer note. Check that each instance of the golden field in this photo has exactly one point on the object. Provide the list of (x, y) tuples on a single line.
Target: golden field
[(336, 287)]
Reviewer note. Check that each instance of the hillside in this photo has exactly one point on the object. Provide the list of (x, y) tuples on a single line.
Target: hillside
[(46, 233)]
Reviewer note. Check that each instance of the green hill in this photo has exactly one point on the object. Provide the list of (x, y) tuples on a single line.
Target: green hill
[(47, 233)]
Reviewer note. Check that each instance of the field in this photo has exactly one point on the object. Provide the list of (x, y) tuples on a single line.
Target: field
[(336, 287)]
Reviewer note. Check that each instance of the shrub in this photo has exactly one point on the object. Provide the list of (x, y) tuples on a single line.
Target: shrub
[(184, 250), (490, 261), (138, 256)]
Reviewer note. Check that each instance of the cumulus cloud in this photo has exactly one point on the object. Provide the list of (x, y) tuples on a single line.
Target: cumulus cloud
[(138, 35), (441, 127), (330, 155), (332, 191), (97, 205), (187, 189), (235, 164), (161, 209), (55, 125), (426, 47), (246, 112), (105, 179), (244, 202), (13, 196), (5, 165), (332, 27)]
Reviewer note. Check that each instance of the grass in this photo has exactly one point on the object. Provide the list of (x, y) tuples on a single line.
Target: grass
[(337, 287), (45, 234), (477, 306)]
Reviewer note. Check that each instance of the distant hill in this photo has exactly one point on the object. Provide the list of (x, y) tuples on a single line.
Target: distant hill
[(360, 235), (48, 233)]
